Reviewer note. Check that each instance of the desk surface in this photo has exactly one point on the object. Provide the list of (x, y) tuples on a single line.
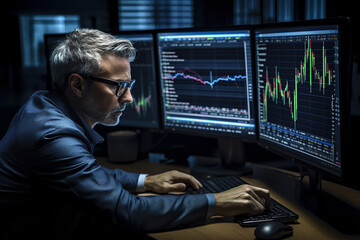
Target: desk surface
[(309, 226)]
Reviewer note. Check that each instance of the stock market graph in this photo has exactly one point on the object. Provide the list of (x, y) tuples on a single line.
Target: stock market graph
[(298, 90), (143, 111), (207, 81)]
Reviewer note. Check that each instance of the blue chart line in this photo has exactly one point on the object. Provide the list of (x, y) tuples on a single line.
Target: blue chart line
[(228, 78), (198, 78)]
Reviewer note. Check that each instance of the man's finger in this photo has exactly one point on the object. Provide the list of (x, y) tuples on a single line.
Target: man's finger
[(195, 183), (177, 187), (186, 178), (264, 194), (257, 197)]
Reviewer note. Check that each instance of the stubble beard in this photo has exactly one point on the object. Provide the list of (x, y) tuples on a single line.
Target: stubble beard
[(100, 116)]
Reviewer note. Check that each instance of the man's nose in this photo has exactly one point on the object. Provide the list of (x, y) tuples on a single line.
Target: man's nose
[(127, 97)]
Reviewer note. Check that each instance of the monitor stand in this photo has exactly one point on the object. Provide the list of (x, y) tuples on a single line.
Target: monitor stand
[(230, 162)]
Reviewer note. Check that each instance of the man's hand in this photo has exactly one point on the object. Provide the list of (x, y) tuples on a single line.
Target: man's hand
[(172, 181), (245, 199)]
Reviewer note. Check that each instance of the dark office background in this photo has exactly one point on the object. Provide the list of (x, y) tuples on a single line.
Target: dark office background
[(23, 66)]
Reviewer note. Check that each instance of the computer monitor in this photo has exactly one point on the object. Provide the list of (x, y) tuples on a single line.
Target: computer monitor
[(143, 111), (206, 80), (303, 83)]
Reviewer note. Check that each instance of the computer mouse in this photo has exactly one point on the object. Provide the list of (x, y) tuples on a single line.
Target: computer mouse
[(273, 230)]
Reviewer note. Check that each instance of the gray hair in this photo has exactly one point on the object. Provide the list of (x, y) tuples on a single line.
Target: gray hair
[(82, 51)]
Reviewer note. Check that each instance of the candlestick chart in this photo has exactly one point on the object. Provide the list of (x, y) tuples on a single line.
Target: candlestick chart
[(297, 83), (141, 104), (143, 107), (298, 90)]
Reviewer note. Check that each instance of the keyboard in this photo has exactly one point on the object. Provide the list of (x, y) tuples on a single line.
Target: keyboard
[(276, 211)]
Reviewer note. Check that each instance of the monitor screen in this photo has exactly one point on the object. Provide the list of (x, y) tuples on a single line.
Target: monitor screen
[(301, 107), (143, 111), (206, 82)]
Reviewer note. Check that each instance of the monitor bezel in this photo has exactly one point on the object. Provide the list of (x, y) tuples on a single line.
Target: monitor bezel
[(303, 160), (212, 134)]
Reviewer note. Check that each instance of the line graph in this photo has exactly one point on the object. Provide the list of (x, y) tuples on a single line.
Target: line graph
[(212, 76), (196, 77)]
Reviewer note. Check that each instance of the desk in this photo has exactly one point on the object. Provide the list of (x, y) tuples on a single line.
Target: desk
[(283, 186)]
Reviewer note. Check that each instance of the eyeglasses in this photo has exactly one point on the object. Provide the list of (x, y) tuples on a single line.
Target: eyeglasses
[(121, 86)]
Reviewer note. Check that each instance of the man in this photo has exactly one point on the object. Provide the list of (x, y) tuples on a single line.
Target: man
[(50, 183)]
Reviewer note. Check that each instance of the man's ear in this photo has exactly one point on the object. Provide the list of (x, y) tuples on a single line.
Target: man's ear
[(77, 84)]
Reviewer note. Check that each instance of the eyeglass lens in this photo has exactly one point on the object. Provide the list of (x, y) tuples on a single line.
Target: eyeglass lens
[(123, 88)]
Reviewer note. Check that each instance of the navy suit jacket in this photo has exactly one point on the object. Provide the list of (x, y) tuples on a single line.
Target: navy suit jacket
[(47, 165)]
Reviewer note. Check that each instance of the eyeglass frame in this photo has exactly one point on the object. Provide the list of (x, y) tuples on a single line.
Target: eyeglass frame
[(120, 84)]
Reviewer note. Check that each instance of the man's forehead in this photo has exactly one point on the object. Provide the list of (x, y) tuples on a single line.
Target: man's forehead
[(114, 65)]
